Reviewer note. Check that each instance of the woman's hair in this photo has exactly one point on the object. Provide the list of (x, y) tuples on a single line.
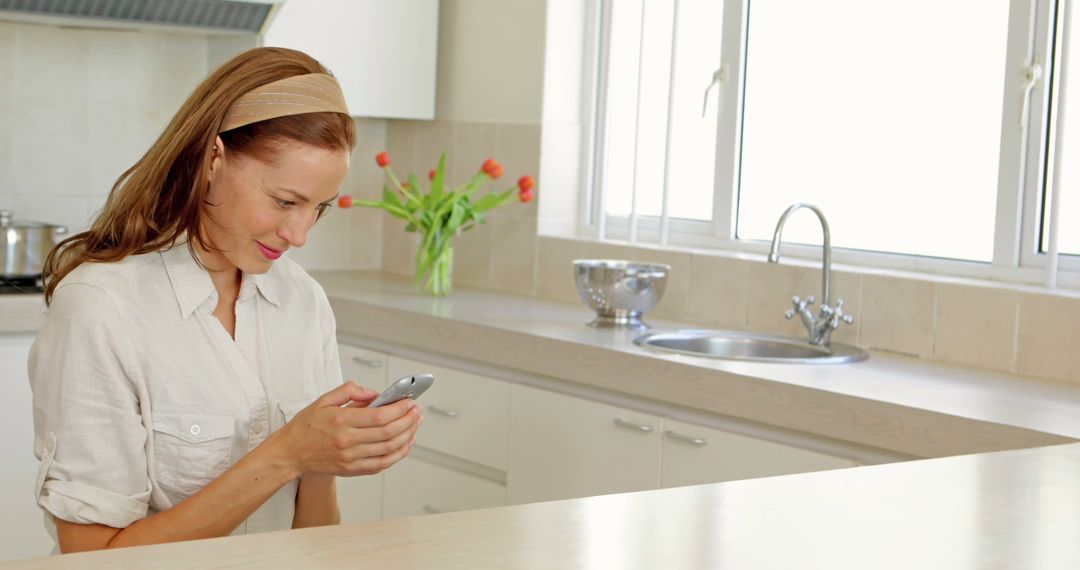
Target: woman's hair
[(163, 196)]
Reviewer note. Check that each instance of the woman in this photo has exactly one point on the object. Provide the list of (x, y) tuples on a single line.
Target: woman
[(186, 380)]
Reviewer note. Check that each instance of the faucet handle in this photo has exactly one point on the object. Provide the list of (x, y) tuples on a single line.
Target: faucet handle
[(837, 314), (798, 306)]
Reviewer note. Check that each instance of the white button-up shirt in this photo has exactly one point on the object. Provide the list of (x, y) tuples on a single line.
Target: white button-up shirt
[(141, 397)]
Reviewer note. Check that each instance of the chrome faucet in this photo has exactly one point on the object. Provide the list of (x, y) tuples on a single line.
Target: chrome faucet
[(821, 327)]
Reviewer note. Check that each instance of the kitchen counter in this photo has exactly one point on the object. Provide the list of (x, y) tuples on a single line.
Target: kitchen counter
[(901, 404), (1015, 509)]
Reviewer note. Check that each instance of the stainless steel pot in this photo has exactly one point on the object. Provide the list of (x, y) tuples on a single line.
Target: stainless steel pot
[(24, 246)]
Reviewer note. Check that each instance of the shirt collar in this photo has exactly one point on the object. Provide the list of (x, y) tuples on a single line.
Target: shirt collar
[(192, 284)]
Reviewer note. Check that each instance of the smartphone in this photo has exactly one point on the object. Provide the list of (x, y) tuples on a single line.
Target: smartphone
[(408, 387)]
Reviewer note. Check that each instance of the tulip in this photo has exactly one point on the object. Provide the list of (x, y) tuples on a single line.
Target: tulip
[(345, 201), (431, 174), (382, 159), (526, 183), (492, 168), (525, 196)]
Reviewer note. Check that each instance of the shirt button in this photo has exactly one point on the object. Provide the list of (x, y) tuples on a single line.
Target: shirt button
[(195, 429)]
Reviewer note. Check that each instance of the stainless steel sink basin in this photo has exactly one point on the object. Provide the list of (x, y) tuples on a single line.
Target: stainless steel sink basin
[(733, 345)]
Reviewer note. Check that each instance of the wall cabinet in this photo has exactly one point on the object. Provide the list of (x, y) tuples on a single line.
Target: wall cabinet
[(382, 53)]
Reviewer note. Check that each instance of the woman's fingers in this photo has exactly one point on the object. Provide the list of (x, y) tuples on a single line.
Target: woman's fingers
[(347, 392), (375, 417), (383, 447), (373, 465)]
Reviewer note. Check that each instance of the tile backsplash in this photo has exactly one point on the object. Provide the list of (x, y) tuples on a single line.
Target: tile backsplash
[(79, 106), (965, 322)]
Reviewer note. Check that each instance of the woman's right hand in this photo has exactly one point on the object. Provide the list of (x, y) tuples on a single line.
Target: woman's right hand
[(352, 440)]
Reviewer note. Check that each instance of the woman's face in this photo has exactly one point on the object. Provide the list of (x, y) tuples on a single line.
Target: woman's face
[(258, 210)]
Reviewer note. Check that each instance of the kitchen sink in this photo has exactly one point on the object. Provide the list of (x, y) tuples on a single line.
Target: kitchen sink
[(734, 345)]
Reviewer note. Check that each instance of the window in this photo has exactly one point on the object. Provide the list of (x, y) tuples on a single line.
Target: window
[(901, 120)]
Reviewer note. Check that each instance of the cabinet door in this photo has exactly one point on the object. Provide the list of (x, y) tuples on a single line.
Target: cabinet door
[(416, 487), (383, 53), (22, 529), (360, 498), (695, 455), (563, 447), (465, 415), (363, 366)]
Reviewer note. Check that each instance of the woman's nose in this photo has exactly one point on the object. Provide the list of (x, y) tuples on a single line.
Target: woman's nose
[(295, 230)]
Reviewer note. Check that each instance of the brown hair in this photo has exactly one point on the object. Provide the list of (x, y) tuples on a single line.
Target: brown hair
[(163, 196)]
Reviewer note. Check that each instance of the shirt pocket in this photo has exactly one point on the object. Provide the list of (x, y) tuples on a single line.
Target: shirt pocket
[(191, 447)]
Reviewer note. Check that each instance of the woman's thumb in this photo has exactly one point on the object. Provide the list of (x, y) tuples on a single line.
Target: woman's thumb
[(347, 392)]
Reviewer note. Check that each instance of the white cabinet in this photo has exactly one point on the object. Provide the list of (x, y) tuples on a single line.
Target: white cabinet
[(360, 498), (465, 415), (22, 528), (563, 447), (695, 455), (383, 53), (415, 487)]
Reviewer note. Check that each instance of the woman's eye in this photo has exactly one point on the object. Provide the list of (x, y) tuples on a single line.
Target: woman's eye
[(284, 203), (321, 209)]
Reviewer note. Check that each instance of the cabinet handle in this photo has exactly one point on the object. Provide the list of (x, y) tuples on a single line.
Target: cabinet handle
[(442, 411), (631, 425), (431, 510), (366, 362), (686, 438)]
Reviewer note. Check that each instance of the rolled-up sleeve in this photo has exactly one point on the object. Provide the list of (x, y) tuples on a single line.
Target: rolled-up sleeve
[(88, 430)]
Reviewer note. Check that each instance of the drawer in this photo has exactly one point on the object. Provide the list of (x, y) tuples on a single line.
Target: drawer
[(465, 415), (416, 487), (363, 366)]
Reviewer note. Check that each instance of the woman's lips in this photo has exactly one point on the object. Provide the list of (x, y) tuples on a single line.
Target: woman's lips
[(270, 253)]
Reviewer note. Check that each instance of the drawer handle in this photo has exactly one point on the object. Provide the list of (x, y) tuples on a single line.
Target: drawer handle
[(430, 509), (631, 425), (442, 411), (366, 362), (686, 438)]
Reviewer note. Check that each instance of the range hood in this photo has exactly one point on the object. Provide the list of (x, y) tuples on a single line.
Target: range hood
[(214, 17)]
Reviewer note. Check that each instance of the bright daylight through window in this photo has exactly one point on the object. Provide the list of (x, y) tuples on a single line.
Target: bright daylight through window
[(900, 120)]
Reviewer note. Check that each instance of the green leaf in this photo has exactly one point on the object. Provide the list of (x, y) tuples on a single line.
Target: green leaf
[(437, 182), (390, 197), (491, 200), (456, 217), (414, 186)]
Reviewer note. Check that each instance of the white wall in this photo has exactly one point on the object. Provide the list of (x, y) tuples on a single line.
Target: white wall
[(79, 106)]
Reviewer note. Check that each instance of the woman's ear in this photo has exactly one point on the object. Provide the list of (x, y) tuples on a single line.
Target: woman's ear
[(217, 157)]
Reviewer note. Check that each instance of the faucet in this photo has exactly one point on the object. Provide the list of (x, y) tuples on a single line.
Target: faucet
[(821, 327)]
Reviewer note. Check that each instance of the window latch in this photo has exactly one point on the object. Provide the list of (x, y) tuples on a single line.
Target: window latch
[(1032, 75), (719, 76)]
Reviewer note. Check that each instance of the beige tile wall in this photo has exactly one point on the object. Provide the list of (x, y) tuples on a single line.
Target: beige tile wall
[(967, 323), (79, 106)]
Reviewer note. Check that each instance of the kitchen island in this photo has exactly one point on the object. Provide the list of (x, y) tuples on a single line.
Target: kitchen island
[(1012, 509), (1002, 491)]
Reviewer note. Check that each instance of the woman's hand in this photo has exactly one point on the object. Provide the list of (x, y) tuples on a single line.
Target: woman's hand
[(352, 440)]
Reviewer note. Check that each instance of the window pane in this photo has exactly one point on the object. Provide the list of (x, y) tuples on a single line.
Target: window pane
[(638, 127), (887, 115), (1069, 196)]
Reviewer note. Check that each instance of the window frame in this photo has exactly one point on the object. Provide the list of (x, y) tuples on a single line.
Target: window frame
[(1025, 159)]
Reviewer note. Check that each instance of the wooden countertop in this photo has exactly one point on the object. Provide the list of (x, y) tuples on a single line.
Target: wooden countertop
[(901, 404), (1015, 509)]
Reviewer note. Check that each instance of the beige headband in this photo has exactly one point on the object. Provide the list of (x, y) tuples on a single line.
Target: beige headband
[(311, 93)]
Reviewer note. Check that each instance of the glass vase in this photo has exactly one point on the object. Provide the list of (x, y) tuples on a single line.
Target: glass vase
[(435, 266)]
